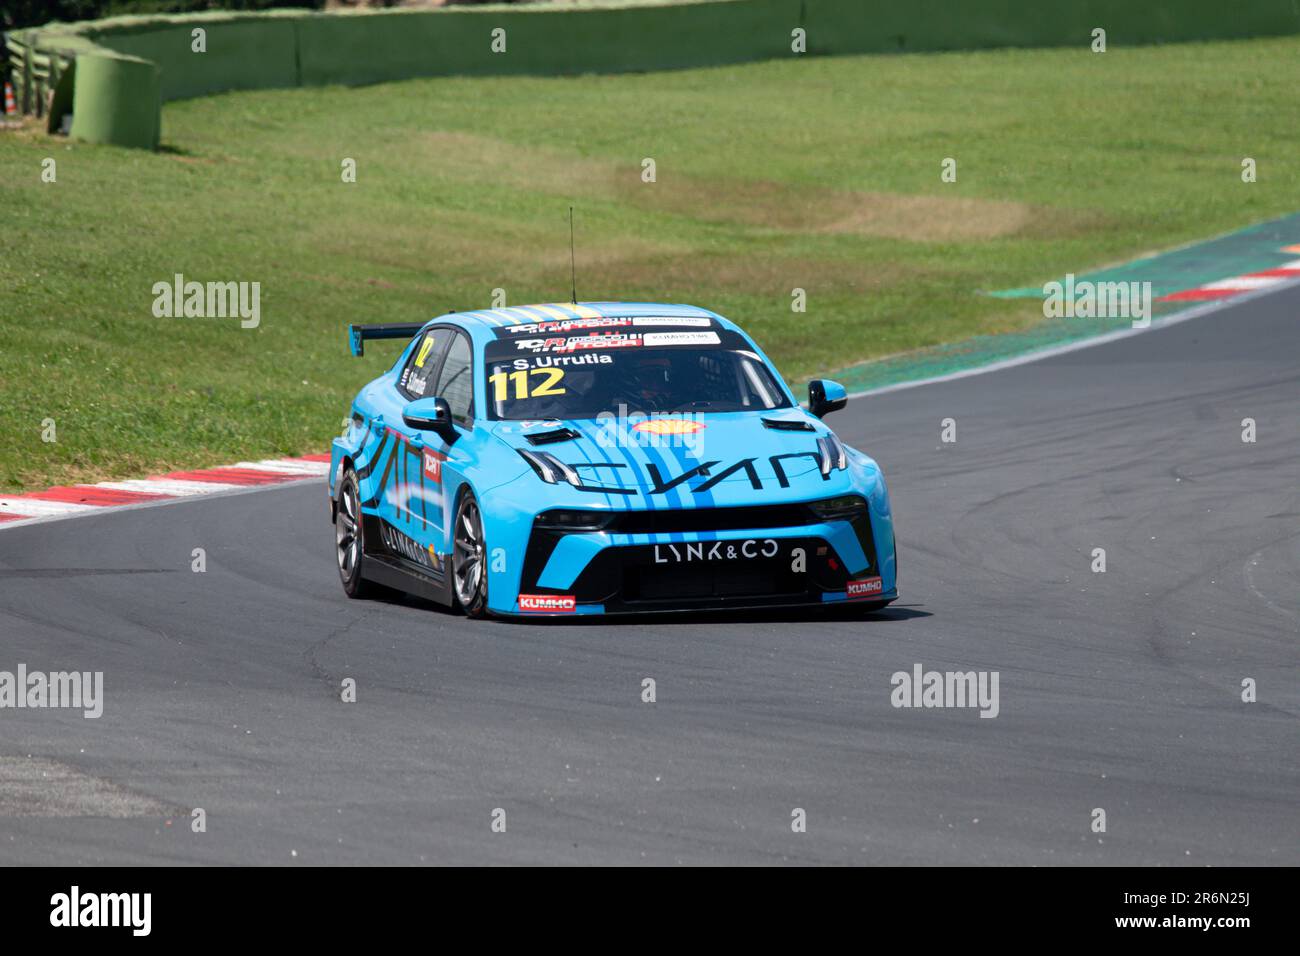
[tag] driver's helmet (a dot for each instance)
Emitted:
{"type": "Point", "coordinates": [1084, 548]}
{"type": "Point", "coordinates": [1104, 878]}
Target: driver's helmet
{"type": "Point", "coordinates": [649, 379]}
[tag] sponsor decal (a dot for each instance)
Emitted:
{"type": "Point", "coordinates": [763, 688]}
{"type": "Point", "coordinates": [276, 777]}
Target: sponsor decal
{"type": "Point", "coordinates": [669, 426]}
{"type": "Point", "coordinates": [433, 465]}
{"type": "Point", "coordinates": [681, 338]}
{"type": "Point", "coordinates": [565, 325]}
{"type": "Point", "coordinates": [864, 588]}
{"type": "Point", "coordinates": [718, 551]}
{"type": "Point", "coordinates": [698, 323]}
{"type": "Point", "coordinates": [553, 603]}
{"type": "Point", "coordinates": [616, 340]}
{"type": "Point", "coordinates": [410, 549]}
{"type": "Point", "coordinates": [578, 325]}
{"type": "Point", "coordinates": [604, 340]}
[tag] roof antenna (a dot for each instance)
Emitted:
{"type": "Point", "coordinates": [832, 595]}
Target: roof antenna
{"type": "Point", "coordinates": [573, 269]}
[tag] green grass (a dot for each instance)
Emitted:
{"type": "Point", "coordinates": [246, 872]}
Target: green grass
{"type": "Point", "coordinates": [818, 173]}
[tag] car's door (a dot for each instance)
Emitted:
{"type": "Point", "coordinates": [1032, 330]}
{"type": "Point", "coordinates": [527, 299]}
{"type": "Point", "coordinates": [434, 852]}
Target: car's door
{"type": "Point", "coordinates": [446, 462]}
{"type": "Point", "coordinates": [413, 507]}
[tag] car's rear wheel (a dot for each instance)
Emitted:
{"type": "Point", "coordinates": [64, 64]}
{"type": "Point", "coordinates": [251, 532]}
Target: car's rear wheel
{"type": "Point", "coordinates": [349, 543]}
{"type": "Point", "coordinates": [469, 557]}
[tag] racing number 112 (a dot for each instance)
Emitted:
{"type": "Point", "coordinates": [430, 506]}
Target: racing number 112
{"type": "Point", "coordinates": [520, 382]}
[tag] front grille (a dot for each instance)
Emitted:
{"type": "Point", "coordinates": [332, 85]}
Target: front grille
{"type": "Point", "coordinates": [685, 574]}
{"type": "Point", "coordinates": [712, 519]}
{"type": "Point", "coordinates": [688, 582]}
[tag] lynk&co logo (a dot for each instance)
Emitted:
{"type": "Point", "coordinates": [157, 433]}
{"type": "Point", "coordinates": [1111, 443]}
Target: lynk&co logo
{"type": "Point", "coordinates": [720, 551]}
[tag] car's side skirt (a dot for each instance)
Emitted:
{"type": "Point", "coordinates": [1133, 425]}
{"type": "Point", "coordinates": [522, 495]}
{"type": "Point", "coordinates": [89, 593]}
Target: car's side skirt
{"type": "Point", "coordinates": [394, 571]}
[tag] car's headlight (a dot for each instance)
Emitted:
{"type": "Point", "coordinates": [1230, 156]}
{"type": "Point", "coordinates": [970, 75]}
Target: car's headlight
{"type": "Point", "coordinates": [549, 468]}
{"type": "Point", "coordinates": [842, 508]}
{"type": "Point", "coordinates": [831, 454]}
{"type": "Point", "coordinates": [569, 519]}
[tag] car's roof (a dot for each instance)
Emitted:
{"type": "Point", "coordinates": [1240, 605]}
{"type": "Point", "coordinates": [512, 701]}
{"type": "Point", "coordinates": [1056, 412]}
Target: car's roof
{"type": "Point", "coordinates": [487, 319]}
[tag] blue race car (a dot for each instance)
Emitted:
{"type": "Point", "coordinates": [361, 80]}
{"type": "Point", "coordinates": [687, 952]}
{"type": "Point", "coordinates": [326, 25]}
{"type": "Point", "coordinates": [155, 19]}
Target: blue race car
{"type": "Point", "coordinates": [598, 458]}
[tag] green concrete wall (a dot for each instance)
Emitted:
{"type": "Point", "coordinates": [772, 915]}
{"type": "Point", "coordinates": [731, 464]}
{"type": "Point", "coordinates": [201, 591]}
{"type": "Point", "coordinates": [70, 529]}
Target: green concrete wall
{"type": "Point", "coordinates": [879, 26]}
{"type": "Point", "coordinates": [116, 99]}
{"type": "Point", "coordinates": [285, 48]}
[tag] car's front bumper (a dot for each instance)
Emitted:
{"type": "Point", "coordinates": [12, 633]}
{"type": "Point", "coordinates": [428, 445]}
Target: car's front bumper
{"type": "Point", "coordinates": [783, 547]}
{"type": "Point", "coordinates": [812, 562]}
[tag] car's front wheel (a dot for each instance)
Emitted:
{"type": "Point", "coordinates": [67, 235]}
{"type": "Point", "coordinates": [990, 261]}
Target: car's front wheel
{"type": "Point", "coordinates": [468, 558]}
{"type": "Point", "coordinates": [349, 544]}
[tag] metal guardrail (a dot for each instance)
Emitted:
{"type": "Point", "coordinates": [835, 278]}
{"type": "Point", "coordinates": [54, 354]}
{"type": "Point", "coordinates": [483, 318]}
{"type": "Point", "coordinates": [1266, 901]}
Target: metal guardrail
{"type": "Point", "coordinates": [34, 73]}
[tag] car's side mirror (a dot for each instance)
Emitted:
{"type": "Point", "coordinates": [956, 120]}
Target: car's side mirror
{"type": "Point", "coordinates": [431, 414]}
{"type": "Point", "coordinates": [825, 396]}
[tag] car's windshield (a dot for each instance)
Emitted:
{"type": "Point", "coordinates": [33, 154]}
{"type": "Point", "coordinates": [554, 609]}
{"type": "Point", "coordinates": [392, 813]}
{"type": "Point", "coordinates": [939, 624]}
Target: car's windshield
{"type": "Point", "coordinates": [650, 365]}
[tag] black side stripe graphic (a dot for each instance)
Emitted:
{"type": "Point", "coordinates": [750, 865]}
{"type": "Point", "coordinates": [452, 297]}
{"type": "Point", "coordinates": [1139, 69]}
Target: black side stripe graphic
{"type": "Point", "coordinates": [369, 467]}
{"type": "Point", "coordinates": [779, 469]}
{"type": "Point", "coordinates": [383, 481]}
{"type": "Point", "coordinates": [660, 487]}
{"type": "Point", "coordinates": [747, 463]}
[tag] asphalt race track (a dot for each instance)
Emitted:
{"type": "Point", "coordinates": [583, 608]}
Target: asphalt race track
{"type": "Point", "coordinates": [1119, 690]}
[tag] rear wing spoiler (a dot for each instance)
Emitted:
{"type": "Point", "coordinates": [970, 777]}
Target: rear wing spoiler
{"type": "Point", "coordinates": [358, 334]}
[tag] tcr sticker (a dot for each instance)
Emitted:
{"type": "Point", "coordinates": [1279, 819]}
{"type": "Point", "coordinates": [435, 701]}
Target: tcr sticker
{"type": "Point", "coordinates": [433, 465]}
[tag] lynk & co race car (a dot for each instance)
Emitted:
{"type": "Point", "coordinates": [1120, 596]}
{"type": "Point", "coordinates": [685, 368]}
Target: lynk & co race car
{"type": "Point", "coordinates": [600, 458]}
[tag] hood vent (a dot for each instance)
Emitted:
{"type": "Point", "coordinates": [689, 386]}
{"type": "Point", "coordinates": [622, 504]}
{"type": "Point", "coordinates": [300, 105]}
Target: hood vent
{"type": "Point", "coordinates": [548, 437]}
{"type": "Point", "coordinates": [788, 425]}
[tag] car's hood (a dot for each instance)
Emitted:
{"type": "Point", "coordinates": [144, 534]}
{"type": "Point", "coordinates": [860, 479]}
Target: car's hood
{"type": "Point", "coordinates": [678, 460]}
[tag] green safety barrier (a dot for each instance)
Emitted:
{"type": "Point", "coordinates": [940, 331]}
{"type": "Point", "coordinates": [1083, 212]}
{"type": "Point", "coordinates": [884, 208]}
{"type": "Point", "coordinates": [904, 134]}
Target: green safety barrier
{"type": "Point", "coordinates": [361, 48]}
{"type": "Point", "coordinates": [285, 48]}
{"type": "Point", "coordinates": [116, 99]}
{"type": "Point", "coordinates": [240, 52]}
{"type": "Point", "coordinates": [878, 26]}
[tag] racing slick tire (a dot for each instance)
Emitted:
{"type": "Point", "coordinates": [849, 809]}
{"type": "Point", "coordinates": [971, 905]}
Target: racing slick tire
{"type": "Point", "coordinates": [349, 544]}
{"type": "Point", "coordinates": [468, 558]}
